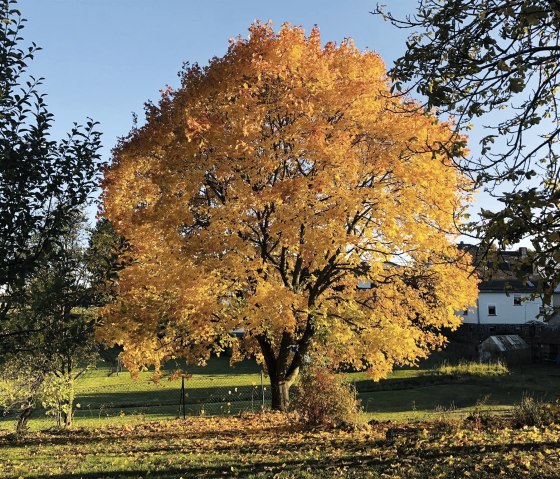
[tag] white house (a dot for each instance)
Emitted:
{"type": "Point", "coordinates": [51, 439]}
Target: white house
{"type": "Point", "coordinates": [504, 302]}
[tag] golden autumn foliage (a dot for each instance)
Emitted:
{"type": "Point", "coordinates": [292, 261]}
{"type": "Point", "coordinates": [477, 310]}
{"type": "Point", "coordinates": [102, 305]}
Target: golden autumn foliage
{"type": "Point", "coordinates": [257, 196]}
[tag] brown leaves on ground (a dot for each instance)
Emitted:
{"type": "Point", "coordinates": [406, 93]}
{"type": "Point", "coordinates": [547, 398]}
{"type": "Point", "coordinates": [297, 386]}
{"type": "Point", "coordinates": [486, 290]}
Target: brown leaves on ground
{"type": "Point", "coordinates": [273, 445]}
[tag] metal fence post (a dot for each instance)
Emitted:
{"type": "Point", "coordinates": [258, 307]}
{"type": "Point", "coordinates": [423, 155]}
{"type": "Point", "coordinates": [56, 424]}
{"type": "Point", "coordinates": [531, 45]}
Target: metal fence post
{"type": "Point", "coordinates": [262, 388]}
{"type": "Point", "coordinates": [183, 396]}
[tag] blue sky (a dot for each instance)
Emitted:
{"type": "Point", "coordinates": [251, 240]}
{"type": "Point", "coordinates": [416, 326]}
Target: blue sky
{"type": "Point", "coordinates": [104, 58]}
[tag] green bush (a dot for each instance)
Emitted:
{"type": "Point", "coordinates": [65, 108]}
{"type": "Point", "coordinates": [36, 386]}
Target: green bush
{"type": "Point", "coordinates": [474, 368]}
{"type": "Point", "coordinates": [324, 399]}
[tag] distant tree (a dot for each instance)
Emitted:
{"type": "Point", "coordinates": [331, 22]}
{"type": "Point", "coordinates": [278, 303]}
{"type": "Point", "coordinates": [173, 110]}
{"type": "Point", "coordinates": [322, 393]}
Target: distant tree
{"type": "Point", "coordinates": [257, 197]}
{"type": "Point", "coordinates": [105, 258]}
{"type": "Point", "coordinates": [42, 182]}
{"type": "Point", "coordinates": [472, 58]}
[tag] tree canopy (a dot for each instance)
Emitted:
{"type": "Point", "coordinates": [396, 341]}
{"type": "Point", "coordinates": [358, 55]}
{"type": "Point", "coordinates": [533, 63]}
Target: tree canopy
{"type": "Point", "coordinates": [264, 191]}
{"type": "Point", "coordinates": [495, 63]}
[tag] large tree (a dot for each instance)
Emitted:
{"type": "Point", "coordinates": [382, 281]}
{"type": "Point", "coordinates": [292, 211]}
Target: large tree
{"type": "Point", "coordinates": [42, 181]}
{"type": "Point", "coordinates": [262, 192]}
{"type": "Point", "coordinates": [494, 64]}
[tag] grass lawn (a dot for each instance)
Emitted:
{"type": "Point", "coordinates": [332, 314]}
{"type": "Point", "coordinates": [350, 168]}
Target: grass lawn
{"type": "Point", "coordinates": [421, 430]}
{"type": "Point", "coordinates": [105, 398]}
{"type": "Point", "coordinates": [408, 394]}
{"type": "Point", "coordinates": [270, 445]}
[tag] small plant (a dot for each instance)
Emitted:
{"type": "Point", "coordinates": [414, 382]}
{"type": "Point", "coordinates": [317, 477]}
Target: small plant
{"type": "Point", "coordinates": [325, 399]}
{"type": "Point", "coordinates": [445, 417]}
{"type": "Point", "coordinates": [473, 368]}
{"type": "Point", "coordinates": [480, 414]}
{"type": "Point", "coordinates": [531, 411]}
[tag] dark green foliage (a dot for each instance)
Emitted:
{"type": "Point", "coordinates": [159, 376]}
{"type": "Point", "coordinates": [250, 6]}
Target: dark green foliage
{"type": "Point", "coordinates": [471, 58]}
{"type": "Point", "coordinates": [42, 181]}
{"type": "Point", "coordinates": [104, 259]}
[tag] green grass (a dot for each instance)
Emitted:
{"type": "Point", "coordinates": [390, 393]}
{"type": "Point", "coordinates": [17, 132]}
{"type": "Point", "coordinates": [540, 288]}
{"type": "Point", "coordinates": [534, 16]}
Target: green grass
{"type": "Point", "coordinates": [105, 398]}
{"type": "Point", "coordinates": [423, 396]}
{"type": "Point", "coordinates": [431, 410]}
{"type": "Point", "coordinates": [407, 394]}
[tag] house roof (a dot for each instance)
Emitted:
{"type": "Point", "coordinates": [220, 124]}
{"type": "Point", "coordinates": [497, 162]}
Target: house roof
{"type": "Point", "coordinates": [500, 264]}
{"type": "Point", "coordinates": [506, 286]}
{"type": "Point", "coordinates": [506, 342]}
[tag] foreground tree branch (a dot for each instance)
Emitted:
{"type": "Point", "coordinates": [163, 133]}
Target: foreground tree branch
{"type": "Point", "coordinates": [495, 63]}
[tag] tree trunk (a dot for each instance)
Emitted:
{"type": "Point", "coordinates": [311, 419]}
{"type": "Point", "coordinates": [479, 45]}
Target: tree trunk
{"type": "Point", "coordinates": [280, 395]}
{"type": "Point", "coordinates": [283, 368]}
{"type": "Point", "coordinates": [68, 411]}
{"type": "Point", "coordinates": [23, 419]}
{"type": "Point", "coordinates": [282, 376]}
{"type": "Point", "coordinates": [278, 371]}
{"type": "Point", "coordinates": [68, 414]}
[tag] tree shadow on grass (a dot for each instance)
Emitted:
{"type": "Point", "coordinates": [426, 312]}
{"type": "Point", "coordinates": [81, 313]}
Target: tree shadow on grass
{"type": "Point", "coordinates": [355, 465]}
{"type": "Point", "coordinates": [78, 437]}
{"type": "Point", "coordinates": [195, 394]}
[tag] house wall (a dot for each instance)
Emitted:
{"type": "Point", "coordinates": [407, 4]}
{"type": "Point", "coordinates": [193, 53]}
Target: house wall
{"type": "Point", "coordinates": [506, 311]}
{"type": "Point", "coordinates": [555, 319]}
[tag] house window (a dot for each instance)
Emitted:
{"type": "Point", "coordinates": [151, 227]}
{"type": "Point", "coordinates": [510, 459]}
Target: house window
{"type": "Point", "coordinates": [491, 310]}
{"type": "Point", "coordinates": [517, 300]}
{"type": "Point", "coordinates": [465, 312]}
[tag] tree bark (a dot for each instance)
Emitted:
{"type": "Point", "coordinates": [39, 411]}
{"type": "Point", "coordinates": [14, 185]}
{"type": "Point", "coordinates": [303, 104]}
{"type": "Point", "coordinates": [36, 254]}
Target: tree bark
{"type": "Point", "coordinates": [68, 411]}
{"type": "Point", "coordinates": [282, 371]}
{"type": "Point", "coordinates": [280, 395]}
{"type": "Point", "coordinates": [23, 419]}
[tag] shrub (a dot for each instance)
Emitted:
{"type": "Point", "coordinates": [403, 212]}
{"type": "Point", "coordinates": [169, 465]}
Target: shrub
{"type": "Point", "coordinates": [324, 399]}
{"type": "Point", "coordinates": [535, 412]}
{"type": "Point", "coordinates": [445, 418]}
{"type": "Point", "coordinates": [481, 414]}
{"type": "Point", "coordinates": [474, 368]}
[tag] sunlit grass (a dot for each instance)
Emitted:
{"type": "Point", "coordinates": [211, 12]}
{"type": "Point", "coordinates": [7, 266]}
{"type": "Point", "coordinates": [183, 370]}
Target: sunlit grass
{"type": "Point", "coordinates": [472, 368]}
{"type": "Point", "coordinates": [407, 394]}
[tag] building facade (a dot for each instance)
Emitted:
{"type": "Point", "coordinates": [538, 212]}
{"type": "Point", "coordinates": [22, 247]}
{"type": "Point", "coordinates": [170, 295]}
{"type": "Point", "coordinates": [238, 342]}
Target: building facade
{"type": "Point", "coordinates": [504, 299]}
{"type": "Point", "coordinates": [503, 302]}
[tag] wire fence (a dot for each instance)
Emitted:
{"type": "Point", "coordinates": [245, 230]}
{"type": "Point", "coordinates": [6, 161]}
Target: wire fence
{"type": "Point", "coordinates": [108, 391]}
{"type": "Point", "coordinates": [214, 389]}
{"type": "Point", "coordinates": [223, 395]}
